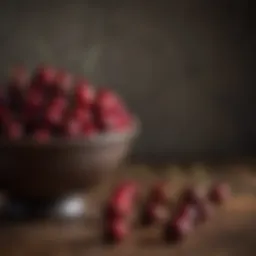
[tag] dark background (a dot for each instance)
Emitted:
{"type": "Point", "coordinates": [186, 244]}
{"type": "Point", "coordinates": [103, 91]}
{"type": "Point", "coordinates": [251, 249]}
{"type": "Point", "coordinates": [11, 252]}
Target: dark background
{"type": "Point", "coordinates": [185, 67]}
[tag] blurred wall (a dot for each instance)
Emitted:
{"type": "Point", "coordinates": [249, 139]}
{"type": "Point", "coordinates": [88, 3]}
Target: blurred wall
{"type": "Point", "coordinates": [184, 66]}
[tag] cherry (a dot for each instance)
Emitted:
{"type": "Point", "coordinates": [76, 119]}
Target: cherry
{"type": "Point", "coordinates": [33, 107]}
{"type": "Point", "coordinates": [177, 231]}
{"type": "Point", "coordinates": [35, 98]}
{"type": "Point", "coordinates": [106, 99]}
{"type": "Point", "coordinates": [180, 225]}
{"type": "Point", "coordinates": [73, 127]}
{"type": "Point", "coordinates": [219, 193]}
{"type": "Point", "coordinates": [84, 93]}
{"type": "Point", "coordinates": [54, 116]}
{"type": "Point", "coordinates": [190, 195]}
{"type": "Point", "coordinates": [89, 129]}
{"type": "Point", "coordinates": [115, 231]}
{"type": "Point", "coordinates": [59, 102]}
{"type": "Point", "coordinates": [123, 199]}
{"type": "Point", "coordinates": [204, 212]}
{"type": "Point", "coordinates": [153, 213]}
{"type": "Point", "coordinates": [156, 207]}
{"type": "Point", "coordinates": [84, 115]}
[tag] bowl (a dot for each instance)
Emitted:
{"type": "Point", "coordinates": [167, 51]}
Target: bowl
{"type": "Point", "coordinates": [63, 166]}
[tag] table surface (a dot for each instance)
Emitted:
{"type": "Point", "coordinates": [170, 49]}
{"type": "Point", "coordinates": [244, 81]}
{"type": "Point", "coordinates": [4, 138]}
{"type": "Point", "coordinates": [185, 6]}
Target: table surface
{"type": "Point", "coordinates": [231, 232]}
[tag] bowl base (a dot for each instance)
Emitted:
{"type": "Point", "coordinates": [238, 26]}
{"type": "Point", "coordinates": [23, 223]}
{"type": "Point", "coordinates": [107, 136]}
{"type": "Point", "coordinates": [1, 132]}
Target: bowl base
{"type": "Point", "coordinates": [68, 207]}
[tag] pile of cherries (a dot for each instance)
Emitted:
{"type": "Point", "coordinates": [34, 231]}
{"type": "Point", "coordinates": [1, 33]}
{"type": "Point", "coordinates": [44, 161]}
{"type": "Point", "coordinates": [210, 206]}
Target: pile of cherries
{"type": "Point", "coordinates": [52, 103]}
{"type": "Point", "coordinates": [177, 220]}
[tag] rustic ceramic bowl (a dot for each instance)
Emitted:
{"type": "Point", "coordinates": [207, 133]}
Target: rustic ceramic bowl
{"type": "Point", "coordinates": [62, 167]}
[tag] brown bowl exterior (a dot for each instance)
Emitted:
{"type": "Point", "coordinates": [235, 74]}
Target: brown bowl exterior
{"type": "Point", "coordinates": [51, 170]}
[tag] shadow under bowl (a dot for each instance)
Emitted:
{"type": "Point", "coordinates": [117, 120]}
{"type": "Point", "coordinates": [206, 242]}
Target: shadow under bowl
{"type": "Point", "coordinates": [32, 170]}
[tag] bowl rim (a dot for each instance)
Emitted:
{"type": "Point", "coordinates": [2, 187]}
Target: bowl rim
{"type": "Point", "coordinates": [97, 140]}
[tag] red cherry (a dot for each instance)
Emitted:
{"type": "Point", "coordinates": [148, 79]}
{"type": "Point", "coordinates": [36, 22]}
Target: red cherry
{"type": "Point", "coordinates": [116, 230]}
{"type": "Point", "coordinates": [119, 229]}
{"type": "Point", "coordinates": [33, 104]}
{"type": "Point", "coordinates": [121, 111]}
{"type": "Point", "coordinates": [55, 111]}
{"type": "Point", "coordinates": [110, 113]}
{"type": "Point", "coordinates": [204, 212]}
{"type": "Point", "coordinates": [154, 213]}
{"type": "Point", "coordinates": [190, 195]}
{"type": "Point", "coordinates": [109, 120]}
{"type": "Point", "coordinates": [185, 211]}
{"type": "Point", "coordinates": [84, 93]}
{"type": "Point", "coordinates": [89, 129]}
{"type": "Point", "coordinates": [107, 99]}
{"type": "Point", "coordinates": [30, 114]}
{"type": "Point", "coordinates": [122, 124]}
{"type": "Point", "coordinates": [54, 116]}
{"type": "Point", "coordinates": [129, 187]}
{"type": "Point", "coordinates": [181, 224]}
{"type": "Point", "coordinates": [177, 231]}
{"type": "Point", "coordinates": [155, 209]}
{"type": "Point", "coordinates": [35, 97]}
{"type": "Point", "coordinates": [42, 135]}
{"type": "Point", "coordinates": [219, 193]}
{"type": "Point", "coordinates": [59, 102]}
{"type": "Point", "coordinates": [132, 189]}
{"type": "Point", "coordinates": [122, 200]}
{"type": "Point", "coordinates": [185, 223]}
{"type": "Point", "coordinates": [122, 204]}
{"type": "Point", "coordinates": [84, 115]}
{"type": "Point", "coordinates": [73, 127]}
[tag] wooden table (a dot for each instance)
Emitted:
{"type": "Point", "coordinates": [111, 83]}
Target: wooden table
{"type": "Point", "coordinates": [231, 232]}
